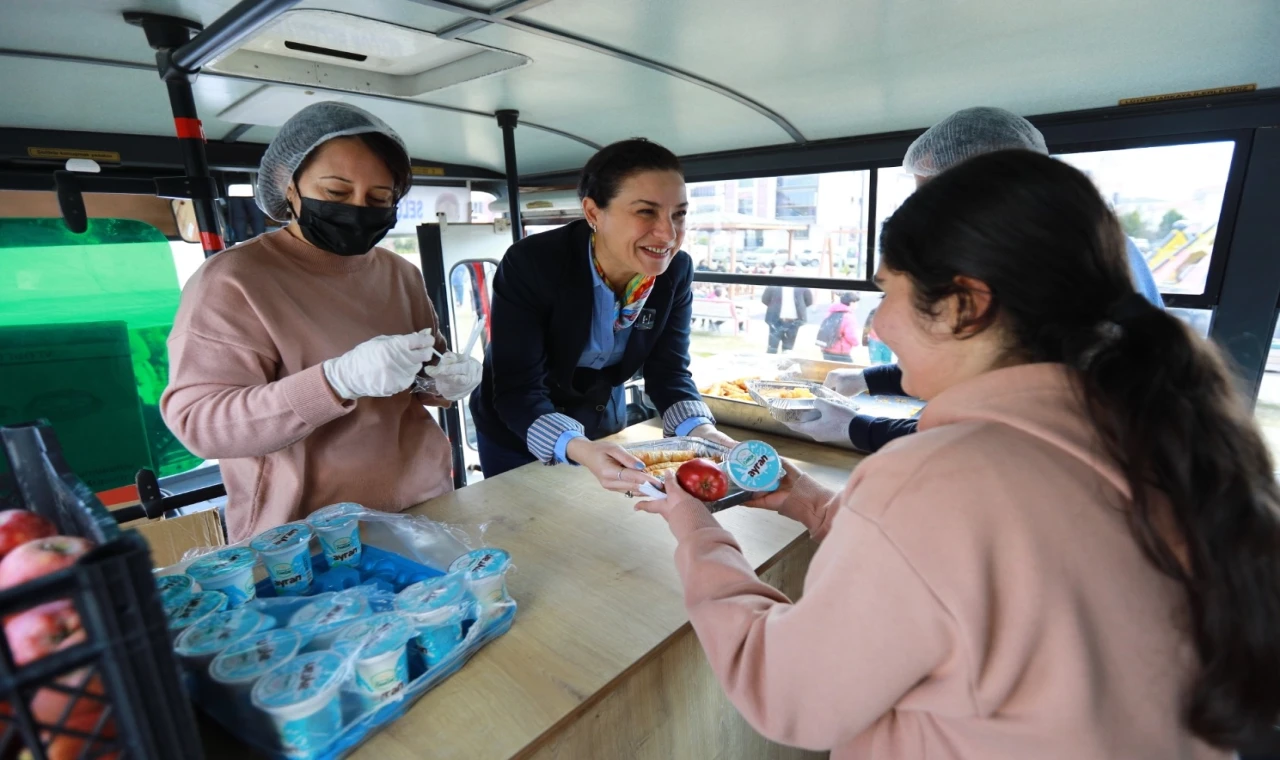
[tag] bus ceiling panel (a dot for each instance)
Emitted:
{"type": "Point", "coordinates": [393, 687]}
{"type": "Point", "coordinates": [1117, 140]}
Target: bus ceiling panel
{"type": "Point", "coordinates": [472, 139]}
{"type": "Point", "coordinates": [837, 68]}
{"type": "Point", "coordinates": [74, 96]}
{"type": "Point", "coordinates": [82, 97]}
{"type": "Point", "coordinates": [95, 28]}
{"type": "Point", "coordinates": [506, 8]}
{"type": "Point", "coordinates": [400, 12]}
{"type": "Point", "coordinates": [247, 134]}
{"type": "Point", "coordinates": [42, 25]}
{"type": "Point", "coordinates": [57, 95]}
{"type": "Point", "coordinates": [606, 99]}
{"type": "Point", "coordinates": [538, 151]}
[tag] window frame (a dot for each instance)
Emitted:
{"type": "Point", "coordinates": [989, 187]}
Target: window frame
{"type": "Point", "coordinates": [1227, 213]}
{"type": "Point", "coordinates": [1209, 299]}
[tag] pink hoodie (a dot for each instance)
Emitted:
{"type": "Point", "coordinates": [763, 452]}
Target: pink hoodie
{"type": "Point", "coordinates": [848, 339]}
{"type": "Point", "coordinates": [977, 594]}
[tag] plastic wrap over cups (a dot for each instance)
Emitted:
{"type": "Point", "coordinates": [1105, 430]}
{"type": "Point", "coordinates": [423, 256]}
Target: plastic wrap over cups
{"type": "Point", "coordinates": [307, 130]}
{"type": "Point", "coordinates": [969, 133]}
{"type": "Point", "coordinates": [308, 670]}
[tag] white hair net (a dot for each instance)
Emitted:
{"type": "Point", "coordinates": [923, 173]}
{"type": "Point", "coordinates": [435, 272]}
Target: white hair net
{"type": "Point", "coordinates": [307, 130]}
{"type": "Point", "coordinates": [968, 133]}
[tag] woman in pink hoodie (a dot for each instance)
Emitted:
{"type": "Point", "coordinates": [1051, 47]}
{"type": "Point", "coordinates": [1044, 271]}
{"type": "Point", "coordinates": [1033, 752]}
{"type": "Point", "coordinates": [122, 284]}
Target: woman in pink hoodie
{"type": "Point", "coordinates": [838, 333]}
{"type": "Point", "coordinates": [1078, 555]}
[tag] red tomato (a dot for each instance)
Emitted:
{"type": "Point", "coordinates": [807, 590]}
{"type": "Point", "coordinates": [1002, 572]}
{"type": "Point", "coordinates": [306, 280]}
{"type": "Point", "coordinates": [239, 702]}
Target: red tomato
{"type": "Point", "coordinates": [704, 479]}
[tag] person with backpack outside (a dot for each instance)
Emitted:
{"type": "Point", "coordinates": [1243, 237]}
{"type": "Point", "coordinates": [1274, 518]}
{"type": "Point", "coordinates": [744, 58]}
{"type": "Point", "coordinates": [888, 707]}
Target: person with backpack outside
{"type": "Point", "coordinates": [838, 333]}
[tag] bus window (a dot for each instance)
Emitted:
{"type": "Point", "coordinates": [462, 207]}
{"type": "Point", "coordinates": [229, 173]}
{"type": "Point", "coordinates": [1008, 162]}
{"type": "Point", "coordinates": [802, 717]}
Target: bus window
{"type": "Point", "coordinates": [480, 213]}
{"type": "Point", "coordinates": [754, 226]}
{"type": "Point", "coordinates": [893, 186]}
{"type": "Point", "coordinates": [406, 245]}
{"type": "Point", "coordinates": [1168, 199]}
{"type": "Point", "coordinates": [806, 225]}
{"type": "Point", "coordinates": [745, 336]}
{"type": "Point", "coordinates": [187, 258]}
{"type": "Point", "coordinates": [99, 306]}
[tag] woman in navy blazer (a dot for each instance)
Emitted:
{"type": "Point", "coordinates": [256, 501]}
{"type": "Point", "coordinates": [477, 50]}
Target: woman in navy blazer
{"type": "Point", "coordinates": [577, 311]}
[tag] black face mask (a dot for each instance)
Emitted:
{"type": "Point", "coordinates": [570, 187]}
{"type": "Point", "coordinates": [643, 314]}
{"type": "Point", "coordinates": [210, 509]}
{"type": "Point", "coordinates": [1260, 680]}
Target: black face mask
{"type": "Point", "coordinates": [342, 228]}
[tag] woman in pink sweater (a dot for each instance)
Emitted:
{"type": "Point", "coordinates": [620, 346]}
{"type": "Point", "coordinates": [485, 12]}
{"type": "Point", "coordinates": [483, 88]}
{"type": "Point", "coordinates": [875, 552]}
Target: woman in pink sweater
{"type": "Point", "coordinates": [1078, 556]}
{"type": "Point", "coordinates": [292, 355]}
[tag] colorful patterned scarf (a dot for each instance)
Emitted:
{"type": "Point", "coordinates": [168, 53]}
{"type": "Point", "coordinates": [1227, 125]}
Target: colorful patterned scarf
{"type": "Point", "coordinates": [627, 309]}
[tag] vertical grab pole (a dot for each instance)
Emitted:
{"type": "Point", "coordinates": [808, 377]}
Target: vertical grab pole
{"type": "Point", "coordinates": [194, 160]}
{"type": "Point", "coordinates": [167, 35]}
{"type": "Point", "coordinates": [508, 120]}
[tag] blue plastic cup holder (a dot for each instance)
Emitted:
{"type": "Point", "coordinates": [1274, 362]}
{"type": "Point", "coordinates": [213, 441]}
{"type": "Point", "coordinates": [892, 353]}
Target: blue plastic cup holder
{"type": "Point", "coordinates": [380, 568]}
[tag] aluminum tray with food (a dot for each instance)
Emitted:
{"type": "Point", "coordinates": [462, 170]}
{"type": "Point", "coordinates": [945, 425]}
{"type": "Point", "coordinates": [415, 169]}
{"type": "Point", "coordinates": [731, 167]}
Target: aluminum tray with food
{"type": "Point", "coordinates": [663, 457]}
{"type": "Point", "coordinates": [791, 400]}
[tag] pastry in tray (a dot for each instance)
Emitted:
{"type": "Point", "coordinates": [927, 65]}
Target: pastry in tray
{"type": "Point", "coordinates": [661, 463]}
{"type": "Point", "coordinates": [737, 390]}
{"type": "Point", "coordinates": [787, 393]}
{"type": "Point", "coordinates": [730, 389]}
{"type": "Point", "coordinates": [661, 471]}
{"type": "Point", "coordinates": [665, 456]}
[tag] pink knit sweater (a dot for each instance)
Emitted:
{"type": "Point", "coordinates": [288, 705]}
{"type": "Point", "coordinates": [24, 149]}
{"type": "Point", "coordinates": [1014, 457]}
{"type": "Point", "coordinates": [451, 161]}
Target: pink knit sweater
{"type": "Point", "coordinates": [246, 386]}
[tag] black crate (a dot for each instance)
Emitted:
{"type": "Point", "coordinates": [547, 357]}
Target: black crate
{"type": "Point", "coordinates": [126, 664]}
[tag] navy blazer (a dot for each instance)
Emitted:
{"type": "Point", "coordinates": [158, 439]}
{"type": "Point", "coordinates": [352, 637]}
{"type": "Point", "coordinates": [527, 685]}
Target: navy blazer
{"type": "Point", "coordinates": [541, 322]}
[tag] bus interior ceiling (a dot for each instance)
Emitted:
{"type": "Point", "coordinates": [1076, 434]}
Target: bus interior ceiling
{"type": "Point", "coordinates": [583, 73]}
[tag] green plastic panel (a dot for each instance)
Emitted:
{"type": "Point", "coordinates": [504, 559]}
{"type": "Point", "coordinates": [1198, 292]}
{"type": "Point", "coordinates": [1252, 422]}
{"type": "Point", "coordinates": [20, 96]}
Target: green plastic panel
{"type": "Point", "coordinates": [119, 270]}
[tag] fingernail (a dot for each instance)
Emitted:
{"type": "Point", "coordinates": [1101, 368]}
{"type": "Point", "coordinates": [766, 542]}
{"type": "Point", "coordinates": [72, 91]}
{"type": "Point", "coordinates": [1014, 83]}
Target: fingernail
{"type": "Point", "coordinates": [638, 465]}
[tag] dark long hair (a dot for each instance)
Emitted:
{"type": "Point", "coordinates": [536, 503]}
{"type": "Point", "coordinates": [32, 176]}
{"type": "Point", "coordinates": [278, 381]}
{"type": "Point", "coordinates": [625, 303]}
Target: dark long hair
{"type": "Point", "coordinates": [1039, 235]}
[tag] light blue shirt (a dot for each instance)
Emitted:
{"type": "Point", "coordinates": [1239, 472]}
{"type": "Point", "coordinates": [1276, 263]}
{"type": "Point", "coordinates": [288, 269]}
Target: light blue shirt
{"type": "Point", "coordinates": [1142, 279]}
{"type": "Point", "coordinates": [605, 348]}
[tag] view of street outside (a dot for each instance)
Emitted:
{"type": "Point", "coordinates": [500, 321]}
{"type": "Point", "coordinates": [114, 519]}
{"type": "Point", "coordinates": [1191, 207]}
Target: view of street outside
{"type": "Point", "coordinates": [1168, 199]}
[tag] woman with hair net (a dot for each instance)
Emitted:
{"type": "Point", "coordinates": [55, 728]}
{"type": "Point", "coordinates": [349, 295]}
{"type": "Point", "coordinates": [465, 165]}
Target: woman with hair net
{"type": "Point", "coordinates": [293, 354]}
{"type": "Point", "coordinates": [961, 136]}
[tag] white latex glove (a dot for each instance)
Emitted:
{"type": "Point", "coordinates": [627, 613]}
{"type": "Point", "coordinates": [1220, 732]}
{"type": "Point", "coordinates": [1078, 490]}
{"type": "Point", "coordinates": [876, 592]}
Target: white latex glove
{"type": "Point", "coordinates": [831, 427]}
{"type": "Point", "coordinates": [456, 375]}
{"type": "Point", "coordinates": [846, 382]}
{"type": "Point", "coordinates": [381, 366]}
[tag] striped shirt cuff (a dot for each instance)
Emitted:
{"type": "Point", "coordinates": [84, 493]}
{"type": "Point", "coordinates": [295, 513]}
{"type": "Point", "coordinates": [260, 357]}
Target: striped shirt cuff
{"type": "Point", "coordinates": [545, 433]}
{"type": "Point", "coordinates": [693, 423]}
{"type": "Point", "coordinates": [562, 446]}
{"type": "Point", "coordinates": [681, 411]}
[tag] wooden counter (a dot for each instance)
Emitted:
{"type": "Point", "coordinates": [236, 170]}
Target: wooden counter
{"type": "Point", "coordinates": [601, 662]}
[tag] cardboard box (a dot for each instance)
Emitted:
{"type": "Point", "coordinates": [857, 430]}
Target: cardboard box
{"type": "Point", "coordinates": [170, 539]}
